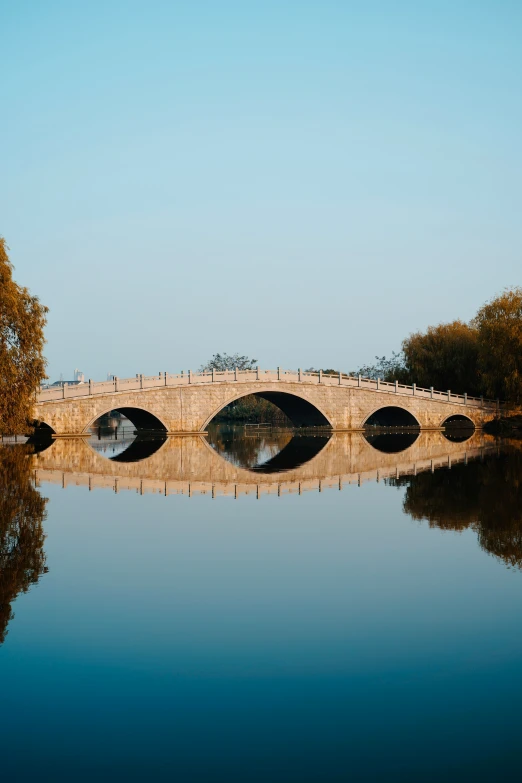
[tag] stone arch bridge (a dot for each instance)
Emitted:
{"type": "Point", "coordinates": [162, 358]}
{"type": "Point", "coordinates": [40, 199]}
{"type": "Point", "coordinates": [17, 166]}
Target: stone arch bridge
{"type": "Point", "coordinates": [187, 403]}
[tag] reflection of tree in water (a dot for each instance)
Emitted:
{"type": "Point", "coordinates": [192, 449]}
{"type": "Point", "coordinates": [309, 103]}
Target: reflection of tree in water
{"type": "Point", "coordinates": [246, 449]}
{"type": "Point", "coordinates": [22, 512]}
{"type": "Point", "coordinates": [484, 495]}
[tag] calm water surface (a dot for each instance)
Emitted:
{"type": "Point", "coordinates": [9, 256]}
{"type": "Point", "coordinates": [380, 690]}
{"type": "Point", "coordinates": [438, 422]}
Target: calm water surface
{"type": "Point", "coordinates": [197, 610]}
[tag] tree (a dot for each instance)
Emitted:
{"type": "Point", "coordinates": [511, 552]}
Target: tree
{"type": "Point", "coordinates": [445, 356]}
{"type": "Point", "coordinates": [393, 369]}
{"type": "Point", "coordinates": [324, 370]}
{"type": "Point", "coordinates": [499, 329]}
{"type": "Point", "coordinates": [22, 512]}
{"type": "Point", "coordinates": [225, 361]}
{"type": "Point", "coordinates": [22, 365]}
{"type": "Point", "coordinates": [385, 369]}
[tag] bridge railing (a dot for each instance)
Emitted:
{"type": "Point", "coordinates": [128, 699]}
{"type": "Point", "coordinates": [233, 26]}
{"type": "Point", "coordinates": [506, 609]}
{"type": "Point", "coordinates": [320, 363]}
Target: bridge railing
{"type": "Point", "coordinates": [162, 379]}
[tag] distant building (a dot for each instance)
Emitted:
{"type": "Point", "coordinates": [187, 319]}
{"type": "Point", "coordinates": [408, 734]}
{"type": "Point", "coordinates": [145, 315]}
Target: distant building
{"type": "Point", "coordinates": [79, 377]}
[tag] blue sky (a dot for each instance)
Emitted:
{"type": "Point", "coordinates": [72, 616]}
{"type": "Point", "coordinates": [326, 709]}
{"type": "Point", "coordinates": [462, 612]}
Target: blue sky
{"type": "Point", "coordinates": [306, 183]}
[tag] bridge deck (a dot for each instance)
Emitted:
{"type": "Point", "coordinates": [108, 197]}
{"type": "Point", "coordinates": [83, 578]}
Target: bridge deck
{"type": "Point", "coordinates": [161, 380]}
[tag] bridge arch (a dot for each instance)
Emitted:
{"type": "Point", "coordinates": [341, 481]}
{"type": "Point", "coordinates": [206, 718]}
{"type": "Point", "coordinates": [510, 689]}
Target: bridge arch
{"type": "Point", "coordinates": [42, 430]}
{"type": "Point", "coordinates": [140, 417]}
{"type": "Point", "coordinates": [391, 416]}
{"type": "Point", "coordinates": [300, 411]}
{"type": "Point", "coordinates": [458, 420]}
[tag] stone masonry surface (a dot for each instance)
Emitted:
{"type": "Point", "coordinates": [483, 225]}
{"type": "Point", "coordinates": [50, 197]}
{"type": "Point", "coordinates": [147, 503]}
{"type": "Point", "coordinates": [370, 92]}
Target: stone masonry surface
{"type": "Point", "coordinates": [190, 408]}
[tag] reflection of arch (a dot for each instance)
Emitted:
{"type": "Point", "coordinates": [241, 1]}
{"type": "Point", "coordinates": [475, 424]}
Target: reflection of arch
{"type": "Point", "coordinates": [141, 448]}
{"type": "Point", "coordinates": [300, 412]}
{"type": "Point", "coordinates": [291, 457]}
{"type": "Point", "coordinates": [301, 449]}
{"type": "Point", "coordinates": [141, 418]}
{"type": "Point", "coordinates": [391, 416]}
{"type": "Point", "coordinates": [393, 442]}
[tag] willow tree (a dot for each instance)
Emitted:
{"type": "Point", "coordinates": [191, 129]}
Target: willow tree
{"type": "Point", "coordinates": [22, 365]}
{"type": "Point", "coordinates": [499, 327]}
{"type": "Point", "coordinates": [445, 356]}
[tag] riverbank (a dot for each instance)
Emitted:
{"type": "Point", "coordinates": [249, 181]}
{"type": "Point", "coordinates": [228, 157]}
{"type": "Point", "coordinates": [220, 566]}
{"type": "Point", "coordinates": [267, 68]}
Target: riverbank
{"type": "Point", "coordinates": [505, 426]}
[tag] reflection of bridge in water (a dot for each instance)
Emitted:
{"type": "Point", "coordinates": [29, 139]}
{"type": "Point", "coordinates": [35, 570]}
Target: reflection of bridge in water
{"type": "Point", "coordinates": [189, 465]}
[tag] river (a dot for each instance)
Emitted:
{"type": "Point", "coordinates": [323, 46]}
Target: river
{"type": "Point", "coordinates": [261, 605]}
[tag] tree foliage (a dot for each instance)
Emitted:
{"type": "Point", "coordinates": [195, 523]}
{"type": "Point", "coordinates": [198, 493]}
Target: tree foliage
{"type": "Point", "coordinates": [22, 366]}
{"type": "Point", "coordinates": [392, 369]}
{"type": "Point", "coordinates": [499, 328]}
{"type": "Point", "coordinates": [22, 512]}
{"type": "Point", "coordinates": [225, 361]}
{"type": "Point", "coordinates": [483, 357]}
{"type": "Point", "coordinates": [445, 357]}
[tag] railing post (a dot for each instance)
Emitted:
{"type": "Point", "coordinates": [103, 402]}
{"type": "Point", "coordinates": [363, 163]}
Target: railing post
{"type": "Point", "coordinates": [320, 376]}
{"type": "Point", "coordinates": [431, 392]}
{"type": "Point", "coordinates": [359, 379]}
{"type": "Point", "coordinates": [257, 372]}
{"type": "Point", "coordinates": [377, 383]}
{"type": "Point", "coordinates": [235, 373]}
{"type": "Point", "coordinates": [115, 383]}
{"type": "Point", "coordinates": [141, 380]}
{"type": "Point", "coordinates": [213, 376]}
{"type": "Point", "coordinates": [449, 395]}
{"type": "Point", "coordinates": [413, 387]}
{"type": "Point", "coordinates": [396, 387]}
{"type": "Point", "coordinates": [90, 386]}
{"type": "Point", "coordinates": [340, 378]}
{"type": "Point", "coordinates": [63, 391]}
{"type": "Point", "coordinates": [299, 374]}
{"type": "Point", "coordinates": [190, 376]}
{"type": "Point", "coordinates": [165, 377]}
{"type": "Point", "coordinates": [465, 398]}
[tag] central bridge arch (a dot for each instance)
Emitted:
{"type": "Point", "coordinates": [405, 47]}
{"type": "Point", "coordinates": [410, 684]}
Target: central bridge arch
{"type": "Point", "coordinates": [299, 410]}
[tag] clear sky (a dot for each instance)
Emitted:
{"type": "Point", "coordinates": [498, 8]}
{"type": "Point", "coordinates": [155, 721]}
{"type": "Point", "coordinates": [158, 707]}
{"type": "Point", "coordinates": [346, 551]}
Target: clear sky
{"type": "Point", "coordinates": [302, 182]}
